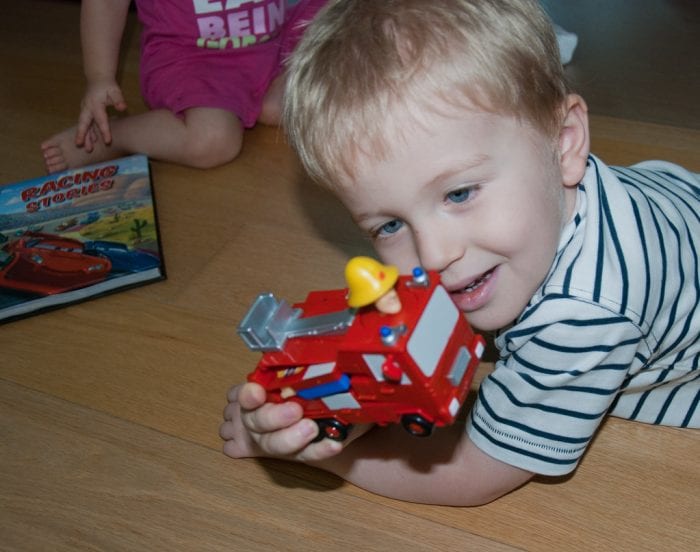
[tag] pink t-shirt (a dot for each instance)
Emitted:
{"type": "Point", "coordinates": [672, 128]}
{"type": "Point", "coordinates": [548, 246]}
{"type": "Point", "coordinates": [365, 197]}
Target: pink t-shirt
{"type": "Point", "coordinates": [217, 53]}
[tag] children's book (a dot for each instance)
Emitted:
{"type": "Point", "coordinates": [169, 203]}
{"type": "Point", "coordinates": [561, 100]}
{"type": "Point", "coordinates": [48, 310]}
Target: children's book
{"type": "Point", "coordinates": [77, 234]}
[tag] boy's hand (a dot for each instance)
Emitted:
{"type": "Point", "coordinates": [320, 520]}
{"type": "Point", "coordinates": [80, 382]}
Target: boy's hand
{"type": "Point", "coordinates": [93, 117]}
{"type": "Point", "coordinates": [253, 427]}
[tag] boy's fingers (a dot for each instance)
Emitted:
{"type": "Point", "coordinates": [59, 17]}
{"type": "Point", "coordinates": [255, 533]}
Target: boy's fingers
{"type": "Point", "coordinates": [288, 441]}
{"type": "Point", "coordinates": [271, 417]}
{"type": "Point", "coordinates": [231, 430]}
{"type": "Point", "coordinates": [320, 451]}
{"type": "Point", "coordinates": [231, 411]}
{"type": "Point", "coordinates": [253, 398]}
{"type": "Point", "coordinates": [292, 443]}
{"type": "Point", "coordinates": [327, 448]}
{"type": "Point", "coordinates": [250, 395]}
{"type": "Point", "coordinates": [278, 430]}
{"type": "Point", "coordinates": [238, 449]}
{"type": "Point", "coordinates": [232, 394]}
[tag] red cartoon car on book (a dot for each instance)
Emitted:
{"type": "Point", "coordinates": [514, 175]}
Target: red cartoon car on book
{"type": "Point", "coordinates": [358, 365]}
{"type": "Point", "coordinates": [46, 264]}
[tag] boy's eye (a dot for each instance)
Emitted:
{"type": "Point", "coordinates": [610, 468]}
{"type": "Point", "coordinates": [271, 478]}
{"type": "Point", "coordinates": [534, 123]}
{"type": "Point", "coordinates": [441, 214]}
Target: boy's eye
{"type": "Point", "coordinates": [459, 196]}
{"type": "Point", "coordinates": [390, 227]}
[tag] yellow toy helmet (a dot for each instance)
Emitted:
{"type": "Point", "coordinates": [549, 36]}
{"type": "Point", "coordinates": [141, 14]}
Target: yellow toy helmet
{"type": "Point", "coordinates": [368, 280]}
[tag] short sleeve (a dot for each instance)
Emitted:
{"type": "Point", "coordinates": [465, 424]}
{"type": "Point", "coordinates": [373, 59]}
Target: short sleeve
{"type": "Point", "coordinates": [560, 372]}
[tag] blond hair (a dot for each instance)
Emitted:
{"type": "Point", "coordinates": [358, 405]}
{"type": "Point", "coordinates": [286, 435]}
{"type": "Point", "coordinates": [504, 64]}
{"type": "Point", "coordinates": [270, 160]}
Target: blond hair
{"type": "Point", "coordinates": [359, 58]}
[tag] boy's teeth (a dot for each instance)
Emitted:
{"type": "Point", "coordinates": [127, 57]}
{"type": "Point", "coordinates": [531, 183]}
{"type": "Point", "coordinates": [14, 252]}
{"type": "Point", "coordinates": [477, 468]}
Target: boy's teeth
{"type": "Point", "coordinates": [476, 283]}
{"type": "Point", "coordinates": [473, 285]}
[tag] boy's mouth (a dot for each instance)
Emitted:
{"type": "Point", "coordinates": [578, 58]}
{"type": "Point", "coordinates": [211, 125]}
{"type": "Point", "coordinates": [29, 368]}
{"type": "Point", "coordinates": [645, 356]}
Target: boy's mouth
{"type": "Point", "coordinates": [476, 293]}
{"type": "Point", "coordinates": [476, 284]}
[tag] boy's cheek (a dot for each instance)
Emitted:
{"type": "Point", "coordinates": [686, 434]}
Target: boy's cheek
{"type": "Point", "coordinates": [401, 255]}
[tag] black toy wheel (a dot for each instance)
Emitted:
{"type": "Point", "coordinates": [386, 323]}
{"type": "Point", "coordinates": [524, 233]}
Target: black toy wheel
{"type": "Point", "coordinates": [330, 428]}
{"type": "Point", "coordinates": [417, 425]}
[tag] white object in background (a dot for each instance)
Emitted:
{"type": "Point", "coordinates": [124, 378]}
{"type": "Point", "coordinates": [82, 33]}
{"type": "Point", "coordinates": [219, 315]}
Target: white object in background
{"type": "Point", "coordinates": [567, 43]}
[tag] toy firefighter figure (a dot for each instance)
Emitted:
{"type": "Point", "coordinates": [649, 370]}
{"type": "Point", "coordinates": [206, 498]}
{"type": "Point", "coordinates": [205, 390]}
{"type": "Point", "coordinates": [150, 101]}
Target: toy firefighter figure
{"type": "Point", "coordinates": [369, 281]}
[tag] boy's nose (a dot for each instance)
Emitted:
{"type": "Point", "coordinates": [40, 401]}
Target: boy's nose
{"type": "Point", "coordinates": [438, 248]}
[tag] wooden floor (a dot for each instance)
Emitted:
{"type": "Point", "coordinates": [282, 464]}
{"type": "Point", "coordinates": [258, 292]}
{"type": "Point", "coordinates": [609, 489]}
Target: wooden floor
{"type": "Point", "coordinates": [109, 410]}
{"type": "Point", "coordinates": [635, 60]}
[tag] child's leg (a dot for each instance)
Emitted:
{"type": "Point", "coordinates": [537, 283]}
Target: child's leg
{"type": "Point", "coordinates": [271, 113]}
{"type": "Point", "coordinates": [203, 138]}
{"type": "Point", "coordinates": [303, 13]}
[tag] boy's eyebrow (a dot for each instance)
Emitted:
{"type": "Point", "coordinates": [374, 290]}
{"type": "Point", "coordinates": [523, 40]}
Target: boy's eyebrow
{"type": "Point", "coordinates": [357, 219]}
{"type": "Point", "coordinates": [462, 167]}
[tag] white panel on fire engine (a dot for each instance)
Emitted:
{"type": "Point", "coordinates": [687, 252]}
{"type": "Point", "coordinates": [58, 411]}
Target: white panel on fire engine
{"type": "Point", "coordinates": [375, 362]}
{"type": "Point", "coordinates": [479, 349]}
{"type": "Point", "coordinates": [315, 370]}
{"type": "Point", "coordinates": [340, 401]}
{"type": "Point", "coordinates": [433, 331]}
{"type": "Point", "coordinates": [459, 366]}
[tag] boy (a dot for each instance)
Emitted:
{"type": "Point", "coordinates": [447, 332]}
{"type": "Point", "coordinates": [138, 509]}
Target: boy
{"type": "Point", "coordinates": [448, 131]}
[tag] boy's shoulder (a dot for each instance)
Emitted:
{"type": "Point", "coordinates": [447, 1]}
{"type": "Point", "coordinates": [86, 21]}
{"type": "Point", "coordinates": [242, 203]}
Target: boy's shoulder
{"type": "Point", "coordinates": [663, 175]}
{"type": "Point", "coordinates": [626, 246]}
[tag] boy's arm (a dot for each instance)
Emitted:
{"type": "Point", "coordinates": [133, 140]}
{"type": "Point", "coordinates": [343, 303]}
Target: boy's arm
{"type": "Point", "coordinates": [102, 25]}
{"type": "Point", "coordinates": [446, 468]}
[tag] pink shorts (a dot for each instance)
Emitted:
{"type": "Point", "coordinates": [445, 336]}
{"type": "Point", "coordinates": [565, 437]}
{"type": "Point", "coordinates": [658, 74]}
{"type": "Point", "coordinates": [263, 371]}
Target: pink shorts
{"type": "Point", "coordinates": [176, 74]}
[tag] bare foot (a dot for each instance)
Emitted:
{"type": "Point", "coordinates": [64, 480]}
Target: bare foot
{"type": "Point", "coordinates": [60, 152]}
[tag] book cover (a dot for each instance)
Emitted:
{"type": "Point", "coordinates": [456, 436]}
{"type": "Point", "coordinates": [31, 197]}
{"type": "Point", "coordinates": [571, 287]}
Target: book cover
{"type": "Point", "coordinates": [77, 234]}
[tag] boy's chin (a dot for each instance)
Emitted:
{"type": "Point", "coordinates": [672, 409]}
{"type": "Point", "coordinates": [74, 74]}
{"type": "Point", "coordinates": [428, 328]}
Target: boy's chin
{"type": "Point", "coordinates": [489, 321]}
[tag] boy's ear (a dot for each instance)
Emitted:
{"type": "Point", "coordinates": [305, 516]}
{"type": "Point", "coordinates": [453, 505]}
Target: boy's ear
{"type": "Point", "coordinates": [574, 140]}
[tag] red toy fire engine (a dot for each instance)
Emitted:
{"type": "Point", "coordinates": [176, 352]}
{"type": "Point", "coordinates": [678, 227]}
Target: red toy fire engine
{"type": "Point", "coordinates": [356, 364]}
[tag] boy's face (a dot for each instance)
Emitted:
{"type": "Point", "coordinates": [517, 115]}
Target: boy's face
{"type": "Point", "coordinates": [476, 196]}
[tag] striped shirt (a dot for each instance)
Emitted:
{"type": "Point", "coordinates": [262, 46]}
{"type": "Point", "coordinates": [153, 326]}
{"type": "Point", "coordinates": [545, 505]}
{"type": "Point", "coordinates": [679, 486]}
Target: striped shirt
{"type": "Point", "coordinates": [614, 328]}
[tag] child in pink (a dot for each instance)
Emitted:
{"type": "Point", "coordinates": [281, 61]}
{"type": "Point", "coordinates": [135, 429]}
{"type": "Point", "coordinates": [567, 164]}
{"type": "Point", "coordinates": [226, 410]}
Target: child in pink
{"type": "Point", "coordinates": [209, 70]}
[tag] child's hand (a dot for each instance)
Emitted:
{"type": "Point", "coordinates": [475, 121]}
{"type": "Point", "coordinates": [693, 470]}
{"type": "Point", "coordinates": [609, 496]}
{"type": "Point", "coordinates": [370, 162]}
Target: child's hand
{"type": "Point", "coordinates": [255, 428]}
{"type": "Point", "coordinates": [93, 113]}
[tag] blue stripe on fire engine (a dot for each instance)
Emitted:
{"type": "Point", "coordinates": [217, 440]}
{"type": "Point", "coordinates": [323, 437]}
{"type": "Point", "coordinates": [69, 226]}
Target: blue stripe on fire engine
{"type": "Point", "coordinates": [331, 388]}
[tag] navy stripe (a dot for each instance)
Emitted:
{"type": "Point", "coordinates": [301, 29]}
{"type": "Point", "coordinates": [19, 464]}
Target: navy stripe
{"type": "Point", "coordinates": [573, 388]}
{"type": "Point", "coordinates": [528, 429]}
{"type": "Point", "coordinates": [692, 410]}
{"type": "Point", "coordinates": [557, 371]}
{"type": "Point", "coordinates": [570, 270]}
{"type": "Point", "coordinates": [600, 256]}
{"type": "Point", "coordinates": [674, 305]}
{"type": "Point", "coordinates": [542, 407]}
{"type": "Point", "coordinates": [661, 377]}
{"type": "Point", "coordinates": [647, 262]}
{"type": "Point", "coordinates": [588, 349]}
{"type": "Point", "coordinates": [532, 330]}
{"type": "Point", "coordinates": [612, 231]}
{"type": "Point", "coordinates": [666, 405]}
{"type": "Point", "coordinates": [522, 451]}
